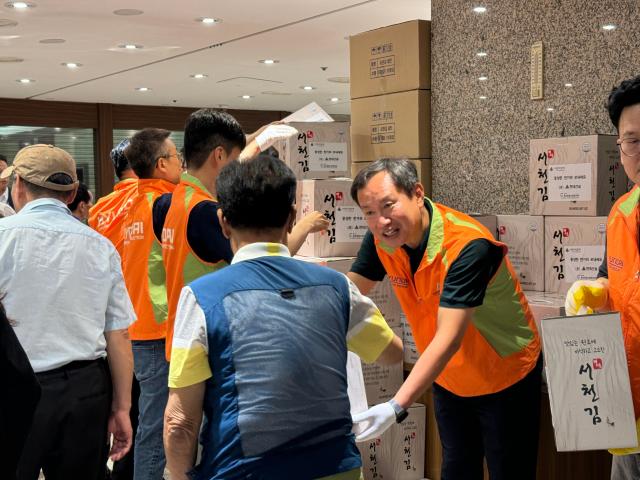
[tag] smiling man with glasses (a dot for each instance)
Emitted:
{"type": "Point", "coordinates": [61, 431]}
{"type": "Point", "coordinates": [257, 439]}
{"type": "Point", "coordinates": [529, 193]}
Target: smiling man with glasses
{"type": "Point", "coordinates": [618, 284]}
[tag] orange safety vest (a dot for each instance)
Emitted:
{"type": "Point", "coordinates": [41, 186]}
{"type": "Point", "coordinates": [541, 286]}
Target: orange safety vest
{"type": "Point", "coordinates": [501, 344]}
{"type": "Point", "coordinates": [180, 261]}
{"type": "Point", "coordinates": [623, 265]}
{"type": "Point", "coordinates": [142, 265]}
{"type": "Point", "coordinates": [106, 216]}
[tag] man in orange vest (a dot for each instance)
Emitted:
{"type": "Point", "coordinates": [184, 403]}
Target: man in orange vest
{"type": "Point", "coordinates": [107, 214]}
{"type": "Point", "coordinates": [156, 162]}
{"type": "Point", "coordinates": [192, 241]}
{"type": "Point", "coordinates": [618, 284]}
{"type": "Point", "coordinates": [479, 347]}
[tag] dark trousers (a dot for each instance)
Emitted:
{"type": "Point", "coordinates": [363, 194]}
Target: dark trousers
{"type": "Point", "coordinates": [501, 427]}
{"type": "Point", "coordinates": [123, 469]}
{"type": "Point", "coordinates": [67, 437]}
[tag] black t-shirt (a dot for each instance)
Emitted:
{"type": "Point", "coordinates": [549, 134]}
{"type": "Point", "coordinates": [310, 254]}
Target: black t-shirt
{"type": "Point", "coordinates": [467, 279]}
{"type": "Point", "coordinates": [204, 233]}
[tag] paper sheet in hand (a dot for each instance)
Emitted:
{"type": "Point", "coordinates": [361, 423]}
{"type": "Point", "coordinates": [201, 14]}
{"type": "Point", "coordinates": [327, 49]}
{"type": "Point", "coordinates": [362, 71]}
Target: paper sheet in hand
{"type": "Point", "coordinates": [588, 381]}
{"type": "Point", "coordinates": [355, 386]}
{"type": "Point", "coordinates": [309, 113]}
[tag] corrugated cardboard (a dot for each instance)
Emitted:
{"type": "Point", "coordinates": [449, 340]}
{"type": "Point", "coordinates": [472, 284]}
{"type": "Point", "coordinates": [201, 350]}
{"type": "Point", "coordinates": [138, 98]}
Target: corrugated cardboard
{"type": "Point", "coordinates": [411, 354]}
{"type": "Point", "coordinates": [573, 250]}
{"type": "Point", "coordinates": [423, 166]}
{"type": "Point", "coordinates": [382, 381]}
{"type": "Point", "coordinates": [524, 235]}
{"type": "Point", "coordinates": [398, 454]}
{"type": "Point", "coordinates": [489, 221]}
{"type": "Point", "coordinates": [588, 381]}
{"type": "Point", "coordinates": [545, 305]}
{"type": "Point", "coordinates": [391, 59]}
{"type": "Point", "coordinates": [332, 198]}
{"type": "Point", "coordinates": [397, 125]}
{"type": "Point", "coordinates": [320, 150]}
{"type": "Point", "coordinates": [575, 175]}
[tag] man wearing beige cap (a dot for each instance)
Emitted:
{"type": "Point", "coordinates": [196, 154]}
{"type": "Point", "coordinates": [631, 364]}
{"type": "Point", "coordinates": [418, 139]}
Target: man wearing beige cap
{"type": "Point", "coordinates": [65, 294]}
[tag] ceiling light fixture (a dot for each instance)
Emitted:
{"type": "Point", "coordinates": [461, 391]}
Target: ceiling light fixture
{"type": "Point", "coordinates": [246, 97]}
{"type": "Point", "coordinates": [25, 80]}
{"type": "Point", "coordinates": [550, 109]}
{"type": "Point", "coordinates": [481, 53]}
{"type": "Point", "coordinates": [20, 5]}
{"type": "Point", "coordinates": [198, 76]}
{"type": "Point", "coordinates": [483, 78]}
{"type": "Point", "coordinates": [482, 97]}
{"type": "Point", "coordinates": [608, 27]}
{"type": "Point", "coordinates": [71, 65]}
{"type": "Point", "coordinates": [308, 88]}
{"type": "Point", "coordinates": [143, 89]}
{"type": "Point", "coordinates": [268, 61]}
{"type": "Point", "coordinates": [130, 46]}
{"type": "Point", "coordinates": [208, 20]}
{"type": "Point", "coordinates": [127, 12]}
{"type": "Point", "coordinates": [335, 99]}
{"type": "Point", "coordinates": [568, 85]}
{"type": "Point", "coordinates": [479, 9]}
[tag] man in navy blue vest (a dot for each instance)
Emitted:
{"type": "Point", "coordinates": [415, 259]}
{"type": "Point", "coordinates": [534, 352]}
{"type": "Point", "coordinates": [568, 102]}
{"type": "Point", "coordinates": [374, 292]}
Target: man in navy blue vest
{"type": "Point", "coordinates": [261, 348]}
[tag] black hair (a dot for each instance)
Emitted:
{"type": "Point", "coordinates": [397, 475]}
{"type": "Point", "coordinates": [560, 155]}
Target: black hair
{"type": "Point", "coordinates": [120, 162]}
{"type": "Point", "coordinates": [205, 130]}
{"type": "Point", "coordinates": [144, 149]}
{"type": "Point", "coordinates": [256, 194]}
{"type": "Point", "coordinates": [82, 195]}
{"type": "Point", "coordinates": [402, 171]}
{"type": "Point", "coordinates": [37, 191]}
{"type": "Point", "coordinates": [622, 96]}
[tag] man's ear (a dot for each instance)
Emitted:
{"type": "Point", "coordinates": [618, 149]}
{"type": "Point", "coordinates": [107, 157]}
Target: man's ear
{"type": "Point", "coordinates": [224, 225]}
{"type": "Point", "coordinates": [71, 195]}
{"type": "Point", "coordinates": [419, 189]}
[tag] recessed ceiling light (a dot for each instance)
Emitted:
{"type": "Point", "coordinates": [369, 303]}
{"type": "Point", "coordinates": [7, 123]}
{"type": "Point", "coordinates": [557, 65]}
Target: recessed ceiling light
{"type": "Point", "coordinates": [52, 40]}
{"type": "Point", "coordinates": [608, 27]}
{"type": "Point", "coordinates": [246, 97]}
{"type": "Point", "coordinates": [482, 97]}
{"type": "Point", "coordinates": [57, 129]}
{"type": "Point", "coordinates": [198, 76]}
{"type": "Point", "coordinates": [25, 80]}
{"type": "Point", "coordinates": [5, 22]}
{"type": "Point", "coordinates": [130, 46]}
{"type": "Point", "coordinates": [142, 89]}
{"type": "Point", "coordinates": [483, 78]}
{"type": "Point", "coordinates": [11, 59]}
{"type": "Point", "coordinates": [308, 87]}
{"type": "Point", "coordinates": [269, 61]}
{"type": "Point", "coordinates": [568, 85]}
{"type": "Point", "coordinates": [334, 99]}
{"type": "Point", "coordinates": [481, 53]}
{"type": "Point", "coordinates": [127, 11]}
{"type": "Point", "coordinates": [208, 20]}
{"type": "Point", "coordinates": [71, 65]}
{"type": "Point", "coordinates": [480, 9]}
{"type": "Point", "coordinates": [550, 109]}
{"type": "Point", "coordinates": [20, 5]}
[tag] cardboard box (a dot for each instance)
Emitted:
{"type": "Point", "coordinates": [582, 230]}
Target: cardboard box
{"type": "Point", "coordinates": [573, 250]}
{"type": "Point", "coordinates": [423, 165]}
{"type": "Point", "coordinates": [347, 229]}
{"type": "Point", "coordinates": [411, 354]}
{"type": "Point", "coordinates": [339, 264]}
{"type": "Point", "coordinates": [320, 150]}
{"type": "Point", "coordinates": [382, 381]}
{"type": "Point", "coordinates": [545, 305]}
{"type": "Point", "coordinates": [524, 235]}
{"type": "Point", "coordinates": [397, 125]}
{"type": "Point", "coordinates": [588, 379]}
{"type": "Point", "coordinates": [391, 59]}
{"type": "Point", "coordinates": [575, 175]}
{"type": "Point", "coordinates": [398, 454]}
{"type": "Point", "coordinates": [489, 221]}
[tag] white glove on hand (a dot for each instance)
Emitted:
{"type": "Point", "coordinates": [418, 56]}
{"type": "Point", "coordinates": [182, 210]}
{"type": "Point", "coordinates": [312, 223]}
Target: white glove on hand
{"type": "Point", "coordinates": [584, 297]}
{"type": "Point", "coordinates": [272, 134]}
{"type": "Point", "coordinates": [375, 421]}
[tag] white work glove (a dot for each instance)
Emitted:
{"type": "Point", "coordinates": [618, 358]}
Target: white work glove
{"type": "Point", "coordinates": [272, 134]}
{"type": "Point", "coordinates": [374, 422]}
{"type": "Point", "coordinates": [584, 297]}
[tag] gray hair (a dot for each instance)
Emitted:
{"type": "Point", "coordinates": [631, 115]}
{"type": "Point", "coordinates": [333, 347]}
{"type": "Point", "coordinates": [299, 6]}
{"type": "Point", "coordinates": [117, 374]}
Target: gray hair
{"type": "Point", "coordinates": [402, 171]}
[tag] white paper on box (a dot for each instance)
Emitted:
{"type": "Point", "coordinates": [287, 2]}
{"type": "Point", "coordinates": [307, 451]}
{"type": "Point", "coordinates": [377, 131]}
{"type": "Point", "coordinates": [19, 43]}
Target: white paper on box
{"type": "Point", "coordinates": [582, 262]}
{"type": "Point", "coordinates": [588, 379]}
{"type": "Point", "coordinates": [570, 182]}
{"type": "Point", "coordinates": [385, 299]}
{"type": "Point", "coordinates": [350, 224]}
{"type": "Point", "coordinates": [411, 354]}
{"type": "Point", "coordinates": [524, 235]}
{"type": "Point", "coordinates": [355, 386]}
{"type": "Point", "coordinates": [328, 156]}
{"type": "Point", "coordinates": [381, 382]}
{"type": "Point", "coordinates": [309, 113]}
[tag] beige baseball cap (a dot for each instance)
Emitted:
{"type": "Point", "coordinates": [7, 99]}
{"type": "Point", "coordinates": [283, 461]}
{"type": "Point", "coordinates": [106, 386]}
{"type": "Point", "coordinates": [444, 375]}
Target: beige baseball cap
{"type": "Point", "coordinates": [37, 163]}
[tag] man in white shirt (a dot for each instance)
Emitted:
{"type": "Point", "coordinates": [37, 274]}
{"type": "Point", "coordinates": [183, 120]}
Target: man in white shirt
{"type": "Point", "coordinates": [65, 293]}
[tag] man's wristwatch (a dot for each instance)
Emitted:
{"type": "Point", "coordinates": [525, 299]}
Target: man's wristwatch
{"type": "Point", "coordinates": [400, 412]}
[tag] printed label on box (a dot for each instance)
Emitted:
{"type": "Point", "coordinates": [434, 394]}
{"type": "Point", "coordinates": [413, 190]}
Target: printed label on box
{"type": "Point", "coordinates": [570, 182]}
{"type": "Point", "coordinates": [350, 224]}
{"type": "Point", "coordinates": [382, 67]}
{"type": "Point", "coordinates": [383, 133]}
{"type": "Point", "coordinates": [582, 262]}
{"type": "Point", "coordinates": [328, 156]}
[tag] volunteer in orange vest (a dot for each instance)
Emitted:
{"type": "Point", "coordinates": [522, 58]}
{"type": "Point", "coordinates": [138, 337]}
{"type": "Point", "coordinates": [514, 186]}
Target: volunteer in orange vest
{"type": "Point", "coordinates": [479, 348]}
{"type": "Point", "coordinates": [192, 241]}
{"type": "Point", "coordinates": [618, 285]}
{"type": "Point", "coordinates": [154, 158]}
{"type": "Point", "coordinates": [107, 214]}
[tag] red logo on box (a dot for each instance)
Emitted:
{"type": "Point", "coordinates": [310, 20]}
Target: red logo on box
{"type": "Point", "coordinates": [565, 232]}
{"type": "Point", "coordinates": [339, 196]}
{"type": "Point", "coordinates": [597, 363]}
{"type": "Point", "coordinates": [550, 153]}
{"type": "Point", "coordinates": [310, 134]}
{"type": "Point", "coordinates": [502, 230]}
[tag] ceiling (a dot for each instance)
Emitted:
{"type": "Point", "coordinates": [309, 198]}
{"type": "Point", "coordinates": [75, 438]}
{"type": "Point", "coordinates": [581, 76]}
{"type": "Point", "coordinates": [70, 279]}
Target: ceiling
{"type": "Point", "coordinates": [308, 38]}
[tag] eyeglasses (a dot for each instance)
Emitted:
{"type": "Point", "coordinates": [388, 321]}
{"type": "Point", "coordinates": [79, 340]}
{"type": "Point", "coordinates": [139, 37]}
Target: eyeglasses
{"type": "Point", "coordinates": [629, 146]}
{"type": "Point", "coordinates": [178, 155]}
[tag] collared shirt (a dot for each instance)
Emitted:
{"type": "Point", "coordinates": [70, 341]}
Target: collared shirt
{"type": "Point", "coordinates": [368, 333]}
{"type": "Point", "coordinates": [4, 197]}
{"type": "Point", "coordinates": [62, 283]}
